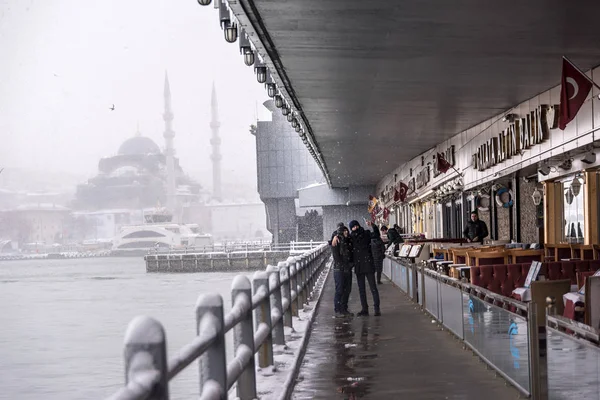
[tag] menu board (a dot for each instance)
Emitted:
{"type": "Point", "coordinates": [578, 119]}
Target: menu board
{"type": "Point", "coordinates": [534, 270]}
{"type": "Point", "coordinates": [415, 251]}
{"type": "Point", "coordinates": [405, 250]}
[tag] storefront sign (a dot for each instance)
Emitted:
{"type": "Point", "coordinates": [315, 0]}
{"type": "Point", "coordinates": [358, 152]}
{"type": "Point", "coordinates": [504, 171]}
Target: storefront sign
{"type": "Point", "coordinates": [448, 156]}
{"type": "Point", "coordinates": [521, 135]}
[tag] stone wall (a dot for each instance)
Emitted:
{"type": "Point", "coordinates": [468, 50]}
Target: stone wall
{"type": "Point", "coordinates": [485, 216]}
{"type": "Point", "coordinates": [503, 222]}
{"type": "Point", "coordinates": [528, 220]}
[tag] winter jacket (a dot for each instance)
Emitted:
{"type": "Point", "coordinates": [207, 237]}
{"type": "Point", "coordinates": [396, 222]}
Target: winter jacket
{"type": "Point", "coordinates": [476, 229]}
{"type": "Point", "coordinates": [361, 250]}
{"type": "Point", "coordinates": [377, 249]}
{"type": "Point", "coordinates": [342, 252]}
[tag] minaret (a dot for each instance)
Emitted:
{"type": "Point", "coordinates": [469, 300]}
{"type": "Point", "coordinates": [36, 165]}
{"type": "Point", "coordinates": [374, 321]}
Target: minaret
{"type": "Point", "coordinates": [169, 134]}
{"type": "Point", "coordinates": [215, 141]}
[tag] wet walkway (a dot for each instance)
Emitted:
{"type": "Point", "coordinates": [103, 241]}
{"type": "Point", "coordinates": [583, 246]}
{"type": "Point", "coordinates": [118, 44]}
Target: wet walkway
{"type": "Point", "coordinates": [400, 355]}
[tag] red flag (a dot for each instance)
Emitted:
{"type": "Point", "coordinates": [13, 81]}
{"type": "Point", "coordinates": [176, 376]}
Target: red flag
{"type": "Point", "coordinates": [574, 89]}
{"type": "Point", "coordinates": [402, 192]}
{"type": "Point", "coordinates": [386, 213]}
{"type": "Point", "coordinates": [442, 165]}
{"type": "Point", "coordinates": [396, 194]}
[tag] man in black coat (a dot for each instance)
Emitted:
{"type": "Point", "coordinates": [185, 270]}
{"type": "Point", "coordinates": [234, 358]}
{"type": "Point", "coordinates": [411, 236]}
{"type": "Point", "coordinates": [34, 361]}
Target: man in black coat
{"type": "Point", "coordinates": [378, 250]}
{"type": "Point", "coordinates": [476, 230]}
{"type": "Point", "coordinates": [341, 249]}
{"type": "Point", "coordinates": [394, 238]}
{"type": "Point", "coordinates": [364, 266]}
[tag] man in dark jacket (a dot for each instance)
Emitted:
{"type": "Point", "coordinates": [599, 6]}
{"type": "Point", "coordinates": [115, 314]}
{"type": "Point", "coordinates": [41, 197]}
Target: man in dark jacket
{"type": "Point", "coordinates": [476, 230]}
{"type": "Point", "coordinates": [378, 250]}
{"type": "Point", "coordinates": [394, 238]}
{"type": "Point", "coordinates": [363, 265]}
{"type": "Point", "coordinates": [341, 249]}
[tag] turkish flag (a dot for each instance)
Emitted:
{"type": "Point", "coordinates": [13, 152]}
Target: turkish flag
{"type": "Point", "coordinates": [386, 213]}
{"type": "Point", "coordinates": [574, 89]}
{"type": "Point", "coordinates": [402, 192]}
{"type": "Point", "coordinates": [442, 165]}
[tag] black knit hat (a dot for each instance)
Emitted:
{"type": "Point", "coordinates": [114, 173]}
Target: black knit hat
{"type": "Point", "coordinates": [353, 223]}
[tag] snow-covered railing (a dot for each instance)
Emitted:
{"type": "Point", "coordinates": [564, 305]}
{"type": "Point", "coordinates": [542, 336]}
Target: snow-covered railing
{"type": "Point", "coordinates": [293, 247]}
{"type": "Point", "coordinates": [260, 311]}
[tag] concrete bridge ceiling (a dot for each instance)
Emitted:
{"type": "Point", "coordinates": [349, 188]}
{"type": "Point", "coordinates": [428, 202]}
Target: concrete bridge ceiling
{"type": "Point", "coordinates": [381, 81]}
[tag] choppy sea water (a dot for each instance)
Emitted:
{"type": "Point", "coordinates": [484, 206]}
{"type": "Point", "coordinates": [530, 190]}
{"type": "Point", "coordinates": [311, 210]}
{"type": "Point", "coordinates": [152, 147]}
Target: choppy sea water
{"type": "Point", "coordinates": [62, 323]}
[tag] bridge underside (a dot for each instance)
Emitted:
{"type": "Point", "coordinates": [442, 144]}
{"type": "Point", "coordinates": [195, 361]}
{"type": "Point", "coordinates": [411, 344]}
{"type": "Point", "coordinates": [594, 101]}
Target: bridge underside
{"type": "Point", "coordinates": [379, 82]}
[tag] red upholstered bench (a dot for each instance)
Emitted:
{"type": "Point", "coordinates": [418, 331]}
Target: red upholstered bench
{"type": "Point", "coordinates": [503, 279]}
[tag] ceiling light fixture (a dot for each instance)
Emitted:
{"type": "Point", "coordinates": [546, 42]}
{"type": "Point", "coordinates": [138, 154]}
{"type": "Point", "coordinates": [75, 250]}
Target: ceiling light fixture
{"type": "Point", "coordinates": [278, 101]}
{"type": "Point", "coordinates": [231, 32]}
{"type": "Point", "coordinates": [261, 74]}
{"type": "Point", "coordinates": [271, 90]}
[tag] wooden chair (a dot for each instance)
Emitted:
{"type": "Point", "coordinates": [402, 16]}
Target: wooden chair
{"type": "Point", "coordinates": [592, 301]}
{"type": "Point", "coordinates": [488, 257]}
{"type": "Point", "coordinates": [542, 289]}
{"type": "Point", "coordinates": [596, 248]}
{"type": "Point", "coordinates": [558, 251]}
{"type": "Point", "coordinates": [521, 256]}
{"type": "Point", "coordinates": [442, 252]}
{"type": "Point", "coordinates": [581, 277]}
{"type": "Point", "coordinates": [459, 254]}
{"type": "Point", "coordinates": [583, 251]}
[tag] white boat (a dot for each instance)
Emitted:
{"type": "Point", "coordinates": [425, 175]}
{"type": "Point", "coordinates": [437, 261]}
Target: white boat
{"type": "Point", "coordinates": [158, 233]}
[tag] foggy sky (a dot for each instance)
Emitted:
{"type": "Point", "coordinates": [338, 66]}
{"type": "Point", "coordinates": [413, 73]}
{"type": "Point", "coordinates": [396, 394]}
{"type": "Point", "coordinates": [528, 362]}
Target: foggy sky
{"type": "Point", "coordinates": [64, 62]}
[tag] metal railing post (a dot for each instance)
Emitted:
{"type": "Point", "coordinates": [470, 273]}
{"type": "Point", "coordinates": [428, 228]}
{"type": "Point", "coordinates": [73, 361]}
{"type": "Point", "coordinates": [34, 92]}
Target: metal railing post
{"type": "Point", "coordinates": [276, 305]}
{"type": "Point", "coordinates": [534, 357]}
{"type": "Point", "coordinates": [286, 294]}
{"type": "Point", "coordinates": [311, 270]}
{"type": "Point", "coordinates": [262, 315]}
{"type": "Point", "coordinates": [301, 271]}
{"type": "Point", "coordinates": [293, 285]}
{"type": "Point", "coordinates": [212, 363]}
{"type": "Point", "coordinates": [243, 338]}
{"type": "Point", "coordinates": [145, 354]}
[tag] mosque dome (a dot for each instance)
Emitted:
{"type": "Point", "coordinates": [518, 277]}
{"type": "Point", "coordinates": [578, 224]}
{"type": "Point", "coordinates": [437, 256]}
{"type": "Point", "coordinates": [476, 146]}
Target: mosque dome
{"type": "Point", "coordinates": [138, 145]}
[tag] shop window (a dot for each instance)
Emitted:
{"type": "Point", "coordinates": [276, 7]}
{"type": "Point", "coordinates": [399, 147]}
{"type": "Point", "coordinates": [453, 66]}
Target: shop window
{"type": "Point", "coordinates": [573, 211]}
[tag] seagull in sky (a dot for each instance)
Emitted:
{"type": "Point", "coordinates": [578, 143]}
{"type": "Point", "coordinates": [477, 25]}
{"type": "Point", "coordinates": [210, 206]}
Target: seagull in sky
{"type": "Point", "coordinates": [112, 108]}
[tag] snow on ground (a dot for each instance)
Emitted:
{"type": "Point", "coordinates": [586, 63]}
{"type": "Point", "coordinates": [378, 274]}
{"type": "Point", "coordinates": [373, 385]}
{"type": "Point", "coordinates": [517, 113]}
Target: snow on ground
{"type": "Point", "coordinates": [272, 382]}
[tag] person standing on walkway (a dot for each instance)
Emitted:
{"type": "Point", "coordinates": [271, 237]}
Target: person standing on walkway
{"type": "Point", "coordinates": [476, 230]}
{"type": "Point", "coordinates": [378, 251]}
{"type": "Point", "coordinates": [341, 249]}
{"type": "Point", "coordinates": [363, 265]}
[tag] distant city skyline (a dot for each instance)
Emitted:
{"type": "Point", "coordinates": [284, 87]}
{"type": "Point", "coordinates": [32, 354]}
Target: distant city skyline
{"type": "Point", "coordinates": [68, 62]}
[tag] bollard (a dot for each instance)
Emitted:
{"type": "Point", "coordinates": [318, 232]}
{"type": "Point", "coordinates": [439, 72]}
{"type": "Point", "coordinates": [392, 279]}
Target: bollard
{"type": "Point", "coordinates": [284, 276]}
{"type": "Point", "coordinates": [262, 314]}
{"type": "Point", "coordinates": [243, 337]}
{"type": "Point", "coordinates": [276, 305]}
{"type": "Point", "coordinates": [145, 353]}
{"type": "Point", "coordinates": [212, 363]}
